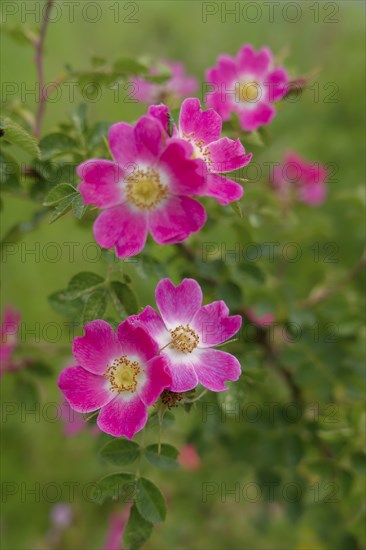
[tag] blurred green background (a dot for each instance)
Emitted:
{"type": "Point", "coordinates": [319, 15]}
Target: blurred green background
{"type": "Point", "coordinates": [310, 452]}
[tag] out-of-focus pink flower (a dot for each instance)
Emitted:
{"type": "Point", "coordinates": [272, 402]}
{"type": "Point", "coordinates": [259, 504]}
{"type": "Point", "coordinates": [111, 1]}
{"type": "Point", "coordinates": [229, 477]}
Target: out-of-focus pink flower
{"type": "Point", "coordinates": [260, 320]}
{"type": "Point", "coordinates": [247, 85]}
{"type": "Point", "coordinates": [178, 86]}
{"type": "Point", "coordinates": [202, 129]}
{"type": "Point", "coordinates": [9, 329]}
{"type": "Point", "coordinates": [74, 422]}
{"type": "Point", "coordinates": [306, 180]}
{"type": "Point", "coordinates": [189, 459]}
{"type": "Point", "coordinates": [119, 373]}
{"type": "Point", "coordinates": [186, 334]}
{"type": "Point", "coordinates": [61, 516]}
{"type": "Point", "coordinates": [147, 189]}
{"type": "Point", "coordinates": [117, 524]}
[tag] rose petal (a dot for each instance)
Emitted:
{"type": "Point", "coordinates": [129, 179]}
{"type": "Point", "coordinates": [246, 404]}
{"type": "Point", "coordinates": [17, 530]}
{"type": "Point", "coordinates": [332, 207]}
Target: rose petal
{"type": "Point", "coordinates": [124, 416]}
{"type": "Point", "coordinates": [86, 392]}
{"type": "Point", "coordinates": [178, 304]}
{"type": "Point", "coordinates": [122, 227]}
{"type": "Point", "coordinates": [158, 378]}
{"type": "Point", "coordinates": [95, 351]}
{"type": "Point", "coordinates": [176, 220]}
{"type": "Point", "coordinates": [216, 367]}
{"type": "Point", "coordinates": [214, 325]}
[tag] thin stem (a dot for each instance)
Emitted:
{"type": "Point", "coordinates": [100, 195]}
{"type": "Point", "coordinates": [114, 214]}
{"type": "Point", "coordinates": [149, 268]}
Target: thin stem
{"type": "Point", "coordinates": [195, 398]}
{"type": "Point", "coordinates": [40, 70]}
{"type": "Point", "coordinates": [325, 293]}
{"type": "Point", "coordinates": [161, 412]}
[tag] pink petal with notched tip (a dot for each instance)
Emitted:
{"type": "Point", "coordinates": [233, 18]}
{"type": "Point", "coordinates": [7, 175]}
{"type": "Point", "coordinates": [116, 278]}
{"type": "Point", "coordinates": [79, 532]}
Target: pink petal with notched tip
{"type": "Point", "coordinates": [178, 304]}
{"type": "Point", "coordinates": [97, 349]}
{"type": "Point", "coordinates": [214, 325]}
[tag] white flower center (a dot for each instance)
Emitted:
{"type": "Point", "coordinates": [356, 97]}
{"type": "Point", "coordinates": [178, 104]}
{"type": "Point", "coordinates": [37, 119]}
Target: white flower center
{"type": "Point", "coordinates": [122, 374]}
{"type": "Point", "coordinates": [184, 338]}
{"type": "Point", "coordinates": [247, 91]}
{"type": "Point", "coordinates": [144, 188]}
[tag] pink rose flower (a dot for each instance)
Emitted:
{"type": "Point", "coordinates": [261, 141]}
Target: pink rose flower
{"type": "Point", "coordinates": [9, 329]}
{"type": "Point", "coordinates": [147, 188]}
{"type": "Point", "coordinates": [247, 85]}
{"type": "Point", "coordinates": [178, 86]}
{"type": "Point", "coordinates": [264, 320]}
{"type": "Point", "coordinates": [120, 374]}
{"type": "Point", "coordinates": [306, 180]}
{"type": "Point", "coordinates": [186, 333]}
{"type": "Point", "coordinates": [74, 422]}
{"type": "Point", "coordinates": [202, 129]}
{"type": "Point", "coordinates": [189, 459]}
{"type": "Point", "coordinates": [117, 524]}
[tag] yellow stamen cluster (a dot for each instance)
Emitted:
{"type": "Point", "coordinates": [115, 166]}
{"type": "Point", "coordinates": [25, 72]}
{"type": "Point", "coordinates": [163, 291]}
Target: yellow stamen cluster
{"type": "Point", "coordinates": [144, 188]}
{"type": "Point", "coordinates": [122, 374]}
{"type": "Point", "coordinates": [247, 92]}
{"type": "Point", "coordinates": [184, 338]}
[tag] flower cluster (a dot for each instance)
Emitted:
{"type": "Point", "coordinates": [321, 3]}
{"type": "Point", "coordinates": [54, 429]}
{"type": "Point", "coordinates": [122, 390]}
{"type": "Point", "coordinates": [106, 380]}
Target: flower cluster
{"type": "Point", "coordinates": [122, 373]}
{"type": "Point", "coordinates": [155, 173]}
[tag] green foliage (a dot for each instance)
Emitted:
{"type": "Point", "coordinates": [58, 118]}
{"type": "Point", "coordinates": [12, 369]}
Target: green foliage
{"type": "Point", "coordinates": [120, 452]}
{"type": "Point", "coordinates": [149, 501]}
{"type": "Point", "coordinates": [137, 530]}
{"type": "Point", "coordinates": [164, 458]}
{"type": "Point", "coordinates": [13, 133]}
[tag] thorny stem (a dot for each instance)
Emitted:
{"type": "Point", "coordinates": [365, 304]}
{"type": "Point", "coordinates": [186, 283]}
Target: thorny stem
{"type": "Point", "coordinates": [40, 70]}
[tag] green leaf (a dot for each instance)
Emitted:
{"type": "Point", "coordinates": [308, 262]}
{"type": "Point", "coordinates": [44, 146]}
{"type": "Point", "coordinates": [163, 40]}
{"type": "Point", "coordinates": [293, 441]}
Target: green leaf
{"type": "Point", "coordinates": [79, 118]}
{"type": "Point", "coordinates": [57, 144]}
{"type": "Point", "coordinates": [129, 66]}
{"type": "Point", "coordinates": [82, 283]}
{"type": "Point", "coordinates": [95, 305]}
{"type": "Point", "coordinates": [121, 487]}
{"type": "Point", "coordinates": [78, 207]}
{"type": "Point", "coordinates": [9, 172]}
{"type": "Point", "coordinates": [168, 419]}
{"type": "Point", "coordinates": [125, 297]}
{"type": "Point", "coordinates": [58, 193]}
{"type": "Point", "coordinates": [95, 135]}
{"type": "Point", "coordinates": [149, 501]}
{"type": "Point", "coordinates": [120, 452]}
{"type": "Point", "coordinates": [252, 271]}
{"type": "Point", "coordinates": [231, 294]}
{"type": "Point", "coordinates": [166, 460]}
{"type": "Point", "coordinates": [253, 138]}
{"type": "Point", "coordinates": [137, 530]}
{"type": "Point", "coordinates": [40, 369]}
{"type": "Point", "coordinates": [27, 391]}
{"type": "Point", "coordinates": [158, 79]}
{"type": "Point", "coordinates": [70, 308]}
{"type": "Point", "coordinates": [236, 206]}
{"type": "Point", "coordinates": [16, 135]}
{"type": "Point", "coordinates": [61, 209]}
{"type": "Point", "coordinates": [19, 33]}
